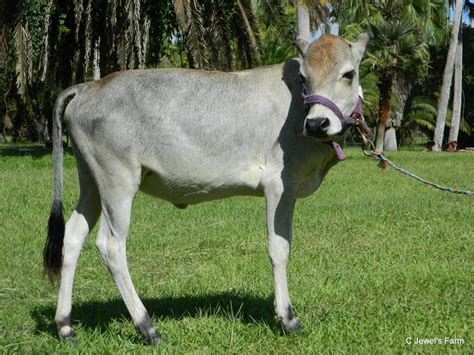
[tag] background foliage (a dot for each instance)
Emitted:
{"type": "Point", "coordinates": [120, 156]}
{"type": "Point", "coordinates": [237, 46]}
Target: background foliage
{"type": "Point", "coordinates": [47, 45]}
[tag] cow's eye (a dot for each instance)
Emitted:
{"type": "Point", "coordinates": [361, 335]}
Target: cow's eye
{"type": "Point", "coordinates": [349, 75]}
{"type": "Point", "coordinates": [302, 78]}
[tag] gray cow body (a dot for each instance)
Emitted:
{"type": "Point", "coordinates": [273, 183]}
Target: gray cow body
{"type": "Point", "coordinates": [190, 136]}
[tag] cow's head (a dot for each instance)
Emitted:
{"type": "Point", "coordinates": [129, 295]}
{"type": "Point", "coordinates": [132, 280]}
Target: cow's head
{"type": "Point", "coordinates": [330, 69]}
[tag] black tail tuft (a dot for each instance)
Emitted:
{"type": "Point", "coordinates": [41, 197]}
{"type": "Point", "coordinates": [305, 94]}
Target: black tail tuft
{"type": "Point", "coordinates": [52, 253]}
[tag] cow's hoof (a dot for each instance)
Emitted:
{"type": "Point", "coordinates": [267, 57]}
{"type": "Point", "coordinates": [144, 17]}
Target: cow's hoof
{"type": "Point", "coordinates": [67, 335]}
{"type": "Point", "coordinates": [153, 339]}
{"type": "Point", "coordinates": [65, 332]}
{"type": "Point", "coordinates": [292, 326]}
{"type": "Point", "coordinates": [150, 335]}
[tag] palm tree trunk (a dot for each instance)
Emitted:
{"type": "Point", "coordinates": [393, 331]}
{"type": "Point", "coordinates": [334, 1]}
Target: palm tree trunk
{"type": "Point", "coordinates": [400, 91]}
{"type": "Point", "coordinates": [390, 140]}
{"type": "Point", "coordinates": [385, 88]}
{"type": "Point", "coordinates": [457, 101]}
{"type": "Point", "coordinates": [447, 79]}
{"type": "Point", "coordinates": [303, 25]}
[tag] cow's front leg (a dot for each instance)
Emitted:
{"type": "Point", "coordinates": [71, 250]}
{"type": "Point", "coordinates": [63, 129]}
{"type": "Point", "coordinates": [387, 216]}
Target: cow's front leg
{"type": "Point", "coordinates": [280, 206]}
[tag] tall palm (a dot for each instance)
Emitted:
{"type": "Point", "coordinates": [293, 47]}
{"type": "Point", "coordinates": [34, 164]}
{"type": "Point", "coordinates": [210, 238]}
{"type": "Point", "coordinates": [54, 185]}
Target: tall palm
{"type": "Point", "coordinates": [447, 79]}
{"type": "Point", "coordinates": [458, 82]}
{"type": "Point", "coordinates": [457, 99]}
{"type": "Point", "coordinates": [399, 52]}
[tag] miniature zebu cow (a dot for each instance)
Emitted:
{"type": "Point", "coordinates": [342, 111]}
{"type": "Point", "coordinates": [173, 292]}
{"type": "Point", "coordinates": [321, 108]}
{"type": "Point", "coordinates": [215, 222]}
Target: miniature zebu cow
{"type": "Point", "coordinates": [189, 136]}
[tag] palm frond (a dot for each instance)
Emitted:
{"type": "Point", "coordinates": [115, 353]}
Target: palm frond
{"type": "Point", "coordinates": [422, 122]}
{"type": "Point", "coordinates": [427, 109]}
{"type": "Point", "coordinates": [219, 42]}
{"type": "Point", "coordinates": [180, 8]}
{"type": "Point", "coordinates": [130, 49]}
{"type": "Point", "coordinates": [271, 11]}
{"type": "Point", "coordinates": [24, 52]}
{"type": "Point", "coordinates": [195, 32]}
{"type": "Point", "coordinates": [136, 32]}
{"type": "Point", "coordinates": [145, 38]}
{"type": "Point", "coordinates": [46, 25]}
{"type": "Point", "coordinates": [111, 25]}
{"type": "Point", "coordinates": [88, 37]}
{"type": "Point", "coordinates": [78, 11]}
{"type": "Point", "coordinates": [244, 52]}
{"type": "Point", "coordinates": [122, 51]}
{"type": "Point", "coordinates": [251, 28]}
{"type": "Point", "coordinates": [9, 12]}
{"type": "Point", "coordinates": [3, 47]}
{"type": "Point", "coordinates": [465, 127]}
{"type": "Point", "coordinates": [96, 60]}
{"type": "Point", "coordinates": [421, 112]}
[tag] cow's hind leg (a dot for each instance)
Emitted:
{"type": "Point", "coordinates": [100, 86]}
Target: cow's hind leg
{"type": "Point", "coordinates": [111, 242]}
{"type": "Point", "coordinates": [78, 227]}
{"type": "Point", "coordinates": [280, 206]}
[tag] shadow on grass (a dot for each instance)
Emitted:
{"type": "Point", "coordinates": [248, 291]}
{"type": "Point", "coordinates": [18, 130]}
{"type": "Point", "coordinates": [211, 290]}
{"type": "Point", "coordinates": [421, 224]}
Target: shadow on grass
{"type": "Point", "coordinates": [98, 315]}
{"type": "Point", "coordinates": [36, 152]}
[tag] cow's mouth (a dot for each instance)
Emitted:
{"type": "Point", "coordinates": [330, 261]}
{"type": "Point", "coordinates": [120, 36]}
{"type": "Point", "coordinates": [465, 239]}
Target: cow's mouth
{"type": "Point", "coordinates": [337, 149]}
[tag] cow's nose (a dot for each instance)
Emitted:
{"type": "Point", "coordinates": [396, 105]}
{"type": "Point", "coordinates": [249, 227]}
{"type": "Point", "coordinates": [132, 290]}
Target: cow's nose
{"type": "Point", "coordinates": [317, 127]}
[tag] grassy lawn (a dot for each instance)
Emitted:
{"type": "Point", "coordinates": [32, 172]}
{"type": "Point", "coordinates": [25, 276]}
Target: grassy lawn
{"type": "Point", "coordinates": [376, 258]}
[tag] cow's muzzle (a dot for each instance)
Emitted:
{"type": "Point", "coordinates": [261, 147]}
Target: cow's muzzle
{"type": "Point", "coordinates": [317, 127]}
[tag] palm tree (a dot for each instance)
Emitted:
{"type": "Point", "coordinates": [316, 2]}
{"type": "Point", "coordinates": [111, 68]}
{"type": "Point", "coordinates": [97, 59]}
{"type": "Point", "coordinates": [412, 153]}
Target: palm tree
{"type": "Point", "coordinates": [13, 21]}
{"type": "Point", "coordinates": [18, 39]}
{"type": "Point", "coordinates": [447, 79]}
{"type": "Point", "coordinates": [457, 100]}
{"type": "Point", "coordinates": [398, 51]}
{"type": "Point", "coordinates": [458, 85]}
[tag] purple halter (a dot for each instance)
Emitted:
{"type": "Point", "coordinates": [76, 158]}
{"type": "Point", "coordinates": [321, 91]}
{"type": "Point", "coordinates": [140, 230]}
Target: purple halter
{"type": "Point", "coordinates": [351, 120]}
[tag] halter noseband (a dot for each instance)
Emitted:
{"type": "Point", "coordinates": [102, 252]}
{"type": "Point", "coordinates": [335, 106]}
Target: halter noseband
{"type": "Point", "coordinates": [355, 119]}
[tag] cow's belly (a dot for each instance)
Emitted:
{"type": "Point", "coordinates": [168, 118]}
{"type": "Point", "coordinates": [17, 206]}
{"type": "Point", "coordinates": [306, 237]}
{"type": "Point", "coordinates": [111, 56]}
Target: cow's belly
{"type": "Point", "coordinates": [184, 190]}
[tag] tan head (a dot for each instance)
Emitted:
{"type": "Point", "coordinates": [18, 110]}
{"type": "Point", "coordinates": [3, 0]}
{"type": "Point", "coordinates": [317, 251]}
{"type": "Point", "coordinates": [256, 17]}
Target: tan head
{"type": "Point", "coordinates": [330, 68]}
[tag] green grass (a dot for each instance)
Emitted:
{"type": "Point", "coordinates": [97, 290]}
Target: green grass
{"type": "Point", "coordinates": [376, 258]}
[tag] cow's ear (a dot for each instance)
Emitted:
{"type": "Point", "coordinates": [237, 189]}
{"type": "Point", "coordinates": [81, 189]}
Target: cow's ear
{"type": "Point", "coordinates": [359, 46]}
{"type": "Point", "coordinates": [302, 46]}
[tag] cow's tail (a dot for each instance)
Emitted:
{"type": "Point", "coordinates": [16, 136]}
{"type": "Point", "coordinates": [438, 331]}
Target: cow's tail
{"type": "Point", "coordinates": [52, 253]}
